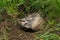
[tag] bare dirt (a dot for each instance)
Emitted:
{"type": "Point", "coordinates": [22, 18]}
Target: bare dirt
{"type": "Point", "coordinates": [16, 33]}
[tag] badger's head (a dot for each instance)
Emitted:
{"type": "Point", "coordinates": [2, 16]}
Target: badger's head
{"type": "Point", "coordinates": [26, 22]}
{"type": "Point", "coordinates": [32, 21]}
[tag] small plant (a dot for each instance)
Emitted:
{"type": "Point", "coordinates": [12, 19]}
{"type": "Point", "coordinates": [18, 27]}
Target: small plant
{"type": "Point", "coordinates": [4, 35]}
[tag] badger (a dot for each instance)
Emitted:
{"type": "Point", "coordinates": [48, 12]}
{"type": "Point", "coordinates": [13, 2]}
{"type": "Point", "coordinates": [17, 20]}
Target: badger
{"type": "Point", "coordinates": [33, 21]}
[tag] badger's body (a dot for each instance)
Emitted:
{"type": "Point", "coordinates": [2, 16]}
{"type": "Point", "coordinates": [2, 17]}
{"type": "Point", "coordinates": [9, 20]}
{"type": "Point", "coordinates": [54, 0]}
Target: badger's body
{"type": "Point", "coordinates": [33, 21]}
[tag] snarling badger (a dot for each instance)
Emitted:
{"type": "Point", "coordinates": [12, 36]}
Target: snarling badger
{"type": "Point", "coordinates": [33, 21]}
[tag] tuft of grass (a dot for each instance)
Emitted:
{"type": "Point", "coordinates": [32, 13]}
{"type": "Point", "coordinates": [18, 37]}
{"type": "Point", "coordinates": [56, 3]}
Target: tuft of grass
{"type": "Point", "coordinates": [4, 34]}
{"type": "Point", "coordinates": [48, 36]}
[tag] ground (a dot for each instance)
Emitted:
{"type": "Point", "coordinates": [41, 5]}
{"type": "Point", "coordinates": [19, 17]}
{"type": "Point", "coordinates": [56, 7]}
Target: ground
{"type": "Point", "coordinates": [15, 33]}
{"type": "Point", "coordinates": [11, 31]}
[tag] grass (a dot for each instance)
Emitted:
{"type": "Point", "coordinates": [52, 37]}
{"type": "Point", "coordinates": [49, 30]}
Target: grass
{"type": "Point", "coordinates": [4, 34]}
{"type": "Point", "coordinates": [50, 12]}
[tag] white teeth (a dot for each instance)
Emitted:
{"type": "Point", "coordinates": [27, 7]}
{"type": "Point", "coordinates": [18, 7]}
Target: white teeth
{"type": "Point", "coordinates": [27, 26]}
